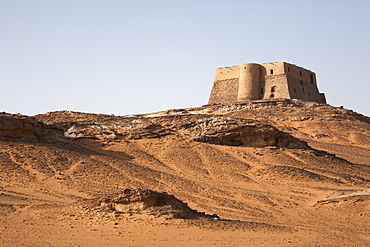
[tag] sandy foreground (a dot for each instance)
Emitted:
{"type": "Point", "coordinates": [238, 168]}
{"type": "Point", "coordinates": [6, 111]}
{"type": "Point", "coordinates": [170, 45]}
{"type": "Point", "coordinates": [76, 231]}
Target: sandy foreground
{"type": "Point", "coordinates": [344, 223]}
{"type": "Point", "coordinates": [313, 190]}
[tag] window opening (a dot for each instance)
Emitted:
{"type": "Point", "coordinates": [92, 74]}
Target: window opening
{"type": "Point", "coordinates": [300, 73]}
{"type": "Point", "coordinates": [289, 69]}
{"type": "Point", "coordinates": [302, 86]}
{"type": "Point", "coordinates": [273, 89]}
{"type": "Point", "coordinates": [311, 78]}
{"type": "Point", "coordinates": [272, 95]}
{"type": "Point", "coordinates": [271, 71]}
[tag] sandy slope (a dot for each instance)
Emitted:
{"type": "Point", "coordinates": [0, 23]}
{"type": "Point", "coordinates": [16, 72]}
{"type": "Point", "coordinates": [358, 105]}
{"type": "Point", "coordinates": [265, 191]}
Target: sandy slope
{"type": "Point", "coordinates": [297, 195]}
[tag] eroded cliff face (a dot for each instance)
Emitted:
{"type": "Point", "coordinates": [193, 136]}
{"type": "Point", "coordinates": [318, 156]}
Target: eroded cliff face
{"type": "Point", "coordinates": [24, 128]}
{"type": "Point", "coordinates": [209, 128]}
{"type": "Point", "coordinates": [145, 201]}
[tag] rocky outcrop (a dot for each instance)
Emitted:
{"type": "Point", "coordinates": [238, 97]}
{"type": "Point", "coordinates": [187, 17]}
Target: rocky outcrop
{"type": "Point", "coordinates": [215, 124]}
{"type": "Point", "coordinates": [23, 128]}
{"type": "Point", "coordinates": [131, 129]}
{"type": "Point", "coordinates": [211, 129]}
{"type": "Point", "coordinates": [144, 201]}
{"type": "Point", "coordinates": [239, 132]}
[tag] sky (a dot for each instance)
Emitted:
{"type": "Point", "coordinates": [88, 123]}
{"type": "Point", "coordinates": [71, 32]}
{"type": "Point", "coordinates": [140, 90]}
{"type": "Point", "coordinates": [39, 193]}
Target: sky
{"type": "Point", "coordinates": [141, 56]}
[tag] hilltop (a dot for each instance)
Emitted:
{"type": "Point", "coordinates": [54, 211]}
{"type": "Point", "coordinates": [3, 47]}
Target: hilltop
{"type": "Point", "coordinates": [272, 172]}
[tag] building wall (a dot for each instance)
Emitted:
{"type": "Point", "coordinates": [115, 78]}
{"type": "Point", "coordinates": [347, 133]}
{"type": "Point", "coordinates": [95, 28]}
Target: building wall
{"type": "Point", "coordinates": [264, 81]}
{"type": "Point", "coordinates": [274, 68]}
{"type": "Point", "coordinates": [225, 85]}
{"type": "Point", "coordinates": [323, 98]}
{"type": "Point", "coordinates": [302, 89]}
{"type": "Point", "coordinates": [300, 73]}
{"type": "Point", "coordinates": [276, 86]}
{"type": "Point", "coordinates": [224, 91]}
{"type": "Point", "coordinates": [227, 73]}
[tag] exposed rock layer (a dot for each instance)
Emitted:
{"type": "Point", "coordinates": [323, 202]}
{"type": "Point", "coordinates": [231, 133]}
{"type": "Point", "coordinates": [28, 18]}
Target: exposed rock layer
{"type": "Point", "coordinates": [144, 201]}
{"type": "Point", "coordinates": [24, 128]}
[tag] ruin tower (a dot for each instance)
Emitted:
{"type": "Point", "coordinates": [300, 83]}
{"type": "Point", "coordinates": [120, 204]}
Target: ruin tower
{"type": "Point", "coordinates": [251, 81]}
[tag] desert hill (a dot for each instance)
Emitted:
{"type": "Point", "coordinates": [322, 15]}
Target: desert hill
{"type": "Point", "coordinates": [273, 172]}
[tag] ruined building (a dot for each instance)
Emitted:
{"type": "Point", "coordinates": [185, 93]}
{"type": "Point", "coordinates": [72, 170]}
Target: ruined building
{"type": "Point", "coordinates": [253, 81]}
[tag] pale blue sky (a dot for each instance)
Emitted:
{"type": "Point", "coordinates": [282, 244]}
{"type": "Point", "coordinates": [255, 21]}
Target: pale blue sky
{"type": "Point", "coordinates": [141, 56]}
